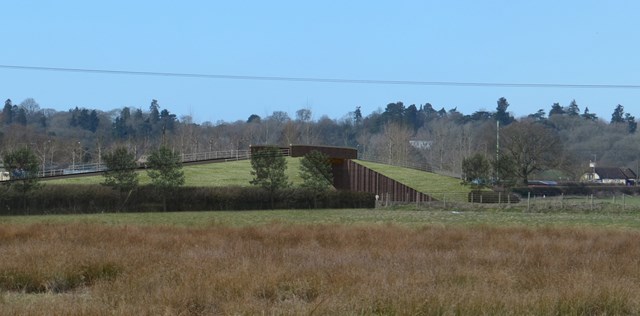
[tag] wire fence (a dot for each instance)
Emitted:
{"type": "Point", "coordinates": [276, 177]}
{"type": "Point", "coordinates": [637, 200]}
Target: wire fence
{"type": "Point", "coordinates": [531, 203]}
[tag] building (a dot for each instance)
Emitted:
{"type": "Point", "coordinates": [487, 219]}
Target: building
{"type": "Point", "coordinates": [610, 175]}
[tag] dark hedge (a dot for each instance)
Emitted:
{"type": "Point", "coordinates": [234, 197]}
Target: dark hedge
{"type": "Point", "coordinates": [75, 199]}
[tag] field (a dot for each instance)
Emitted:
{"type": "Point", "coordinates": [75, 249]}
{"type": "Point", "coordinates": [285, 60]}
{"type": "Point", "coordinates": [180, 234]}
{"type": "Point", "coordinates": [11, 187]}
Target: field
{"type": "Point", "coordinates": [404, 262]}
{"type": "Point", "coordinates": [467, 259]}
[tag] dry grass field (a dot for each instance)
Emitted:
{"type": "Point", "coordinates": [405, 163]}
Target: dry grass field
{"type": "Point", "coordinates": [322, 269]}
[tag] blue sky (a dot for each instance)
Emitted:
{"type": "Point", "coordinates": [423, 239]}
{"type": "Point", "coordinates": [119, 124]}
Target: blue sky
{"type": "Point", "coordinates": [565, 42]}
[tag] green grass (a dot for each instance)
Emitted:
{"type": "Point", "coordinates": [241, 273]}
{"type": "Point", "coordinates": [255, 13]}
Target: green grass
{"type": "Point", "coordinates": [234, 173]}
{"type": "Point", "coordinates": [402, 217]}
{"type": "Point", "coordinates": [422, 181]}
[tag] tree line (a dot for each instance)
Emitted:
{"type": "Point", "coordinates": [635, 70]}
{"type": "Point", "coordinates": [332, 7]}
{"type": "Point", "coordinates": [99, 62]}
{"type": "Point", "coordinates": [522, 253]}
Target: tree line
{"type": "Point", "coordinates": [435, 138]}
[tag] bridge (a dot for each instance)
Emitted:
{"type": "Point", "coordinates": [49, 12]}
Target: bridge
{"type": "Point", "coordinates": [78, 170]}
{"type": "Point", "coordinates": [347, 174]}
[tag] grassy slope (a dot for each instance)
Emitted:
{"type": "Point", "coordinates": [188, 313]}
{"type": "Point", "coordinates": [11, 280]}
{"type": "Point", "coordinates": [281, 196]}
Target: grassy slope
{"type": "Point", "coordinates": [213, 174]}
{"type": "Point", "coordinates": [425, 182]}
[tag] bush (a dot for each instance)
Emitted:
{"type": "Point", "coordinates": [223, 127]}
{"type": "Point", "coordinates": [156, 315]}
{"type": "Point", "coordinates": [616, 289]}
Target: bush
{"type": "Point", "coordinates": [76, 199]}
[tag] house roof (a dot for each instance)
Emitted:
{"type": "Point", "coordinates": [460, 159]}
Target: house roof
{"type": "Point", "coordinates": [615, 173]}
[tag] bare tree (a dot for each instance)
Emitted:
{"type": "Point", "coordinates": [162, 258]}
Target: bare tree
{"type": "Point", "coordinates": [529, 147]}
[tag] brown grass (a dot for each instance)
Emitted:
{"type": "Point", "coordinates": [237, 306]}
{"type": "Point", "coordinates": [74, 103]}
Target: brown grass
{"type": "Point", "coordinates": [67, 269]}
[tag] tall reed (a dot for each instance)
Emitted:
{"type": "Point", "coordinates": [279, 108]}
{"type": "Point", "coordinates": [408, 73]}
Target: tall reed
{"type": "Point", "coordinates": [70, 269]}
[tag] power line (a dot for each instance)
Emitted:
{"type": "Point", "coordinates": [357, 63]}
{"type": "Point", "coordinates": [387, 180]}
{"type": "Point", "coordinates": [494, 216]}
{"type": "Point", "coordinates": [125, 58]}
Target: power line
{"type": "Point", "coordinates": [326, 80]}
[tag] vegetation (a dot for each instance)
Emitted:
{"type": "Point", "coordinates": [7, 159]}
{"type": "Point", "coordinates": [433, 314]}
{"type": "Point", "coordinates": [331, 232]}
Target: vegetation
{"type": "Point", "coordinates": [476, 169]}
{"type": "Point", "coordinates": [165, 172]}
{"type": "Point", "coordinates": [323, 269]}
{"type": "Point", "coordinates": [315, 171]}
{"type": "Point", "coordinates": [22, 165]}
{"type": "Point", "coordinates": [120, 174]}
{"type": "Point", "coordinates": [416, 134]}
{"type": "Point", "coordinates": [426, 182]}
{"type": "Point", "coordinates": [268, 170]}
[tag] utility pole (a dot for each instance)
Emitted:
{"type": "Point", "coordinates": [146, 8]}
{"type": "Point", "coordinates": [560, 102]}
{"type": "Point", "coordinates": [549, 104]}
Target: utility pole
{"type": "Point", "coordinates": [497, 151]}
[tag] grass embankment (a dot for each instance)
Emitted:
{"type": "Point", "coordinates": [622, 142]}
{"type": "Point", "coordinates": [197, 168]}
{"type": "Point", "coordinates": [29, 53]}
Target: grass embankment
{"type": "Point", "coordinates": [64, 269]}
{"type": "Point", "coordinates": [233, 173]}
{"type": "Point", "coordinates": [426, 182]}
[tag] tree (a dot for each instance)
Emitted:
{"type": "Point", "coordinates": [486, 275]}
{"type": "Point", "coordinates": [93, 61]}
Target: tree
{"type": "Point", "coordinates": [254, 118]}
{"type": "Point", "coordinates": [557, 109]}
{"type": "Point", "coordinates": [632, 125]}
{"type": "Point", "coordinates": [476, 169]}
{"type": "Point", "coordinates": [315, 171]}
{"type": "Point", "coordinates": [530, 147]}
{"type": "Point", "coordinates": [573, 109]}
{"type": "Point", "coordinates": [7, 112]}
{"type": "Point", "coordinates": [538, 116]}
{"type": "Point", "coordinates": [268, 170]}
{"type": "Point", "coordinates": [154, 112]}
{"type": "Point", "coordinates": [618, 115]}
{"type": "Point", "coordinates": [589, 116]}
{"type": "Point", "coordinates": [502, 116]}
{"type": "Point", "coordinates": [23, 166]}
{"type": "Point", "coordinates": [165, 172]}
{"type": "Point", "coordinates": [394, 112]}
{"type": "Point", "coordinates": [120, 174]}
{"type": "Point", "coordinates": [20, 116]}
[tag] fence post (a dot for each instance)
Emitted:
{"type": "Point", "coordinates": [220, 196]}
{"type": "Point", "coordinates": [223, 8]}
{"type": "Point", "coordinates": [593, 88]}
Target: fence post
{"type": "Point", "coordinates": [499, 198]}
{"type": "Point", "coordinates": [562, 201]}
{"type": "Point", "coordinates": [528, 201]}
{"type": "Point", "coordinates": [480, 198]}
{"type": "Point", "coordinates": [444, 200]}
{"type": "Point", "coordinates": [591, 202]}
{"type": "Point", "coordinates": [624, 204]}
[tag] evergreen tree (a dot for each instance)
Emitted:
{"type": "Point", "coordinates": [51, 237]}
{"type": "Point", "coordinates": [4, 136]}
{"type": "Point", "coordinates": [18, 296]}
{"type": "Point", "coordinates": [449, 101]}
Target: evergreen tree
{"type": "Point", "coordinates": [23, 166]}
{"type": "Point", "coordinates": [268, 172]}
{"type": "Point", "coordinates": [476, 169]}
{"type": "Point", "coordinates": [556, 109]}
{"type": "Point", "coordinates": [411, 116]}
{"type": "Point", "coordinates": [632, 125]}
{"type": "Point", "coordinates": [618, 115]}
{"type": "Point", "coordinates": [573, 109]}
{"type": "Point", "coordinates": [315, 171]}
{"type": "Point", "coordinates": [254, 118]}
{"type": "Point", "coordinates": [357, 116]}
{"type": "Point", "coordinates": [168, 120]}
{"type": "Point", "coordinates": [94, 121]}
{"type": "Point", "coordinates": [165, 172]}
{"type": "Point", "coordinates": [589, 116]}
{"type": "Point", "coordinates": [502, 116]}
{"type": "Point", "coordinates": [20, 116]}
{"type": "Point", "coordinates": [154, 112]}
{"type": "Point", "coordinates": [538, 116]}
{"type": "Point", "coordinates": [7, 112]}
{"type": "Point", "coordinates": [121, 172]}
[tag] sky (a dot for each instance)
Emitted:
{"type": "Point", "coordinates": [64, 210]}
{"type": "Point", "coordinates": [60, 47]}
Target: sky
{"type": "Point", "coordinates": [515, 42]}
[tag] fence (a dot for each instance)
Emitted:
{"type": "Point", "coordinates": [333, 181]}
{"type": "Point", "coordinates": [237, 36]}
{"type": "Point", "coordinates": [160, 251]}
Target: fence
{"type": "Point", "coordinates": [530, 203]}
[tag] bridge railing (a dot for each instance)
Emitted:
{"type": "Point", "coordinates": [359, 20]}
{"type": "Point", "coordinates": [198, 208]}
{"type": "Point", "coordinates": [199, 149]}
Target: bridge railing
{"type": "Point", "coordinates": [222, 155]}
